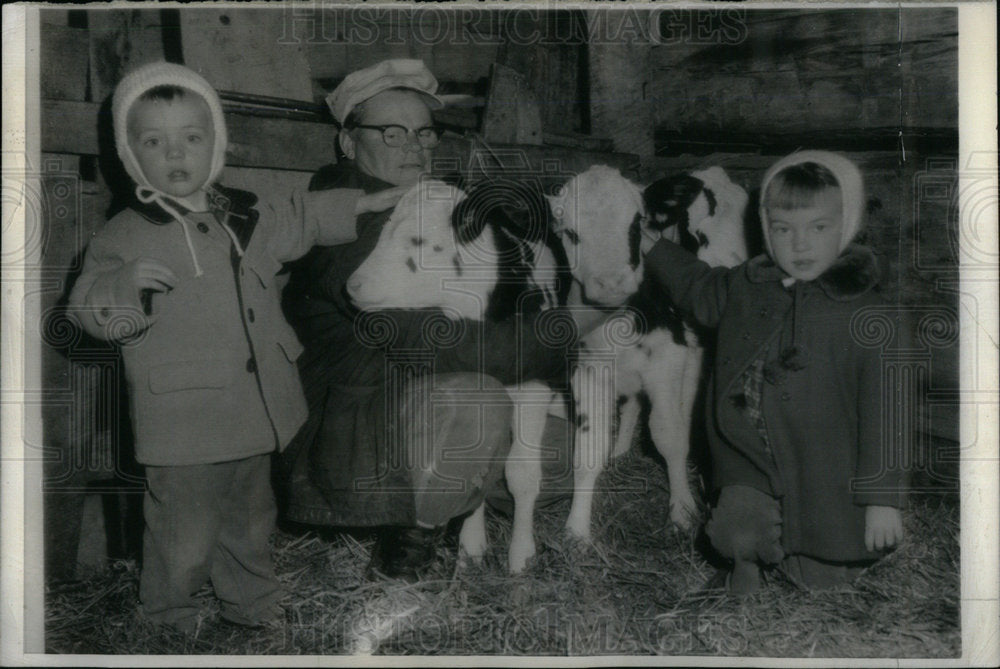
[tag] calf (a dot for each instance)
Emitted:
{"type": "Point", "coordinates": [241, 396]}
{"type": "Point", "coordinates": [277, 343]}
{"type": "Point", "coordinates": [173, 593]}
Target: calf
{"type": "Point", "coordinates": [480, 256]}
{"type": "Point", "coordinates": [645, 347]}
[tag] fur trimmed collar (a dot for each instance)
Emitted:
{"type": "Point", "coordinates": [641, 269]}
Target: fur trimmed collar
{"type": "Point", "coordinates": [854, 273]}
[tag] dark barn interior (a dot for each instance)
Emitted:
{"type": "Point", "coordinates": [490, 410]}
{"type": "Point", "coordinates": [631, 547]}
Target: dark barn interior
{"type": "Point", "coordinates": [550, 92]}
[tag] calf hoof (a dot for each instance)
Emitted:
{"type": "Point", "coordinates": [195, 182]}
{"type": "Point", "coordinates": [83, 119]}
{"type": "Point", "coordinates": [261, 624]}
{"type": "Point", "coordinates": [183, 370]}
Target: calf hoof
{"type": "Point", "coordinates": [683, 513]}
{"type": "Point", "coordinates": [472, 550]}
{"type": "Point", "coordinates": [578, 533]}
{"type": "Point", "coordinates": [519, 557]}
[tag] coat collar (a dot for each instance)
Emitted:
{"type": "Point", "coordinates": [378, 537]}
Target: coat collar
{"type": "Point", "coordinates": [221, 201]}
{"type": "Point", "coordinates": [854, 273]}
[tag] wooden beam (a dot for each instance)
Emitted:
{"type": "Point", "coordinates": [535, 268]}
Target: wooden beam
{"type": "Point", "coordinates": [63, 59]}
{"type": "Point", "coordinates": [72, 127]}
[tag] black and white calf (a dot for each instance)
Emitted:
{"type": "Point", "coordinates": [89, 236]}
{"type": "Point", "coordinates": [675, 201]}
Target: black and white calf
{"type": "Point", "coordinates": [645, 347]}
{"type": "Point", "coordinates": [479, 256]}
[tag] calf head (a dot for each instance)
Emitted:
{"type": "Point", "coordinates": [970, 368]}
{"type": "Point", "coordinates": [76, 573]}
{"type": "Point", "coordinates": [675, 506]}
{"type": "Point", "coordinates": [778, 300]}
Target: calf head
{"type": "Point", "coordinates": [702, 211]}
{"type": "Point", "coordinates": [598, 215]}
{"type": "Point", "coordinates": [426, 257]}
{"type": "Point", "coordinates": [481, 255]}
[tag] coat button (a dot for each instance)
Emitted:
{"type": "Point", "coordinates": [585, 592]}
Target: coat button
{"type": "Point", "coordinates": [202, 227]}
{"type": "Point", "coordinates": [251, 365]}
{"type": "Point", "coordinates": [785, 397]}
{"type": "Point", "coordinates": [250, 316]}
{"type": "Point", "coordinates": [746, 335]}
{"type": "Point", "coordinates": [763, 313]}
{"type": "Point", "coordinates": [726, 360]}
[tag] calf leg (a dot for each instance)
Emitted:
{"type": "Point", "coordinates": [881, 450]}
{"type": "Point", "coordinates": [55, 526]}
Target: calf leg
{"type": "Point", "coordinates": [670, 427]}
{"type": "Point", "coordinates": [524, 469]}
{"type": "Point", "coordinates": [472, 539]}
{"type": "Point", "coordinates": [593, 389]}
{"type": "Point", "coordinates": [627, 421]}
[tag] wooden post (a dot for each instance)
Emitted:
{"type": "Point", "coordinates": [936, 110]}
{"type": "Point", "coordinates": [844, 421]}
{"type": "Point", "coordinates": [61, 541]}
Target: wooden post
{"type": "Point", "coordinates": [512, 115]}
{"type": "Point", "coordinates": [619, 84]}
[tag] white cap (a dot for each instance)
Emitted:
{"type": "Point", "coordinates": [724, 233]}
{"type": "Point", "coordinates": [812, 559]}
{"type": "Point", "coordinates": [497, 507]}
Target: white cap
{"type": "Point", "coordinates": [396, 73]}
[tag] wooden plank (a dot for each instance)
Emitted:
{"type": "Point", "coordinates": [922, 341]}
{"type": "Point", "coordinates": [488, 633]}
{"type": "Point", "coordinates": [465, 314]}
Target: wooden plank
{"type": "Point", "coordinates": [71, 127]}
{"type": "Point", "coordinates": [121, 40]}
{"type": "Point", "coordinates": [512, 115]}
{"type": "Point", "coordinates": [239, 50]}
{"type": "Point", "coordinates": [800, 72]}
{"type": "Point", "coordinates": [551, 64]}
{"type": "Point", "coordinates": [63, 60]}
{"type": "Point", "coordinates": [620, 76]}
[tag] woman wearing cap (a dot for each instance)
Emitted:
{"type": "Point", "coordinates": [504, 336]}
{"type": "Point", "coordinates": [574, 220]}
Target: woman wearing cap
{"type": "Point", "coordinates": [377, 449]}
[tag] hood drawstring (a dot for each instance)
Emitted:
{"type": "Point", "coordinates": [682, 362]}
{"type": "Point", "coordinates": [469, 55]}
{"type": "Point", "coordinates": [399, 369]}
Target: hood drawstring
{"type": "Point", "coordinates": [793, 357]}
{"type": "Point", "coordinates": [146, 195]}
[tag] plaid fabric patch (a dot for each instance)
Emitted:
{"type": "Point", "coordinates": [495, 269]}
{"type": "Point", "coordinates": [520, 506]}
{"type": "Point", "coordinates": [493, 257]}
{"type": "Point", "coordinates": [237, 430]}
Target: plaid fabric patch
{"type": "Point", "coordinates": [753, 382]}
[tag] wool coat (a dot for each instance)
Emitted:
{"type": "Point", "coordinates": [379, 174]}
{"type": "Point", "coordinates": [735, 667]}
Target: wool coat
{"type": "Point", "coordinates": [210, 364]}
{"type": "Point", "coordinates": [824, 396]}
{"type": "Point", "coordinates": [348, 368]}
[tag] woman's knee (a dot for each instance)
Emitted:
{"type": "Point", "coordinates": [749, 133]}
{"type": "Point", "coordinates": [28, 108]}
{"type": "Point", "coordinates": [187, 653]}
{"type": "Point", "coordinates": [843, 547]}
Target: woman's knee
{"type": "Point", "coordinates": [477, 399]}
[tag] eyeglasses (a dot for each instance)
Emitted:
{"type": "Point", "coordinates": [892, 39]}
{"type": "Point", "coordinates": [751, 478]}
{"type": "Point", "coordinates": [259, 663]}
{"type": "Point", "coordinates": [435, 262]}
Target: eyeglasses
{"type": "Point", "coordinates": [395, 135]}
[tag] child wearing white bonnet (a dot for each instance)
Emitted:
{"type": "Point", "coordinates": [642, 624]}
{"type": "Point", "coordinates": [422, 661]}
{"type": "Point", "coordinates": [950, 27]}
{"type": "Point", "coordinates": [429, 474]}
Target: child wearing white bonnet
{"type": "Point", "coordinates": [804, 474]}
{"type": "Point", "coordinates": [184, 280]}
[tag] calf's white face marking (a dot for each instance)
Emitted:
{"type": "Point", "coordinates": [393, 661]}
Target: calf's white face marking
{"type": "Point", "coordinates": [721, 230]}
{"type": "Point", "coordinates": [594, 213]}
{"type": "Point", "coordinates": [418, 263]}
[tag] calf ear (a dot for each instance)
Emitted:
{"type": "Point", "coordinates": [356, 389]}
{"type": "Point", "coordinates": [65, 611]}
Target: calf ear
{"type": "Point", "coordinates": [668, 199]}
{"type": "Point", "coordinates": [556, 203]}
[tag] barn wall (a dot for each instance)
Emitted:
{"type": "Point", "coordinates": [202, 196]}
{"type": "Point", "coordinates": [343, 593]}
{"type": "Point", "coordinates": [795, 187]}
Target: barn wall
{"type": "Point", "coordinates": [713, 88]}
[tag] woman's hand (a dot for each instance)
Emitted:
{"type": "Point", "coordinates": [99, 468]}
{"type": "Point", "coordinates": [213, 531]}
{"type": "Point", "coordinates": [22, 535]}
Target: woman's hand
{"type": "Point", "coordinates": [380, 201]}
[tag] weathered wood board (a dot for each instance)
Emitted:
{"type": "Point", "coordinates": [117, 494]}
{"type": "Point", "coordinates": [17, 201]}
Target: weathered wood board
{"type": "Point", "coordinates": [242, 51]}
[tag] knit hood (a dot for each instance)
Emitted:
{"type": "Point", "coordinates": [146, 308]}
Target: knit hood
{"type": "Point", "coordinates": [130, 89]}
{"type": "Point", "coordinates": [851, 191]}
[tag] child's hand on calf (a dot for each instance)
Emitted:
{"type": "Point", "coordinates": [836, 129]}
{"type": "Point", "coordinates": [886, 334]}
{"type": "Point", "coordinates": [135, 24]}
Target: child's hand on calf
{"type": "Point", "coordinates": [380, 201]}
{"type": "Point", "coordinates": [883, 527]}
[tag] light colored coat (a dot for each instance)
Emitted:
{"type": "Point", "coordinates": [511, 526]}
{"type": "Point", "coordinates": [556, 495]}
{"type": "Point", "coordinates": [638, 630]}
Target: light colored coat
{"type": "Point", "coordinates": [211, 373]}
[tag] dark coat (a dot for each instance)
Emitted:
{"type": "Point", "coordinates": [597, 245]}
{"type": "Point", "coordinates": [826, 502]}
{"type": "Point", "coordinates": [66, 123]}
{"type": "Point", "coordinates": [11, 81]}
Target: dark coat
{"type": "Point", "coordinates": [346, 365]}
{"type": "Point", "coordinates": [821, 396]}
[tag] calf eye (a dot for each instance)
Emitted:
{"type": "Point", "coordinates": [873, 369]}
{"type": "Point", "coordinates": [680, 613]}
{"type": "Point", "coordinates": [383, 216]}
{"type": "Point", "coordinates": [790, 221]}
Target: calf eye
{"type": "Point", "coordinates": [438, 248]}
{"type": "Point", "coordinates": [417, 241]}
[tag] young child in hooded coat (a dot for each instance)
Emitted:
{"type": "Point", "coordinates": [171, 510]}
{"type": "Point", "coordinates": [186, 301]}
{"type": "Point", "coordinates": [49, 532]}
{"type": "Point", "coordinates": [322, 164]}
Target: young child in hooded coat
{"type": "Point", "coordinates": [184, 280]}
{"type": "Point", "coordinates": [805, 474]}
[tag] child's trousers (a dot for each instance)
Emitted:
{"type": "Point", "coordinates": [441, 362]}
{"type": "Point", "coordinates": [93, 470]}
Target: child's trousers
{"type": "Point", "coordinates": [209, 522]}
